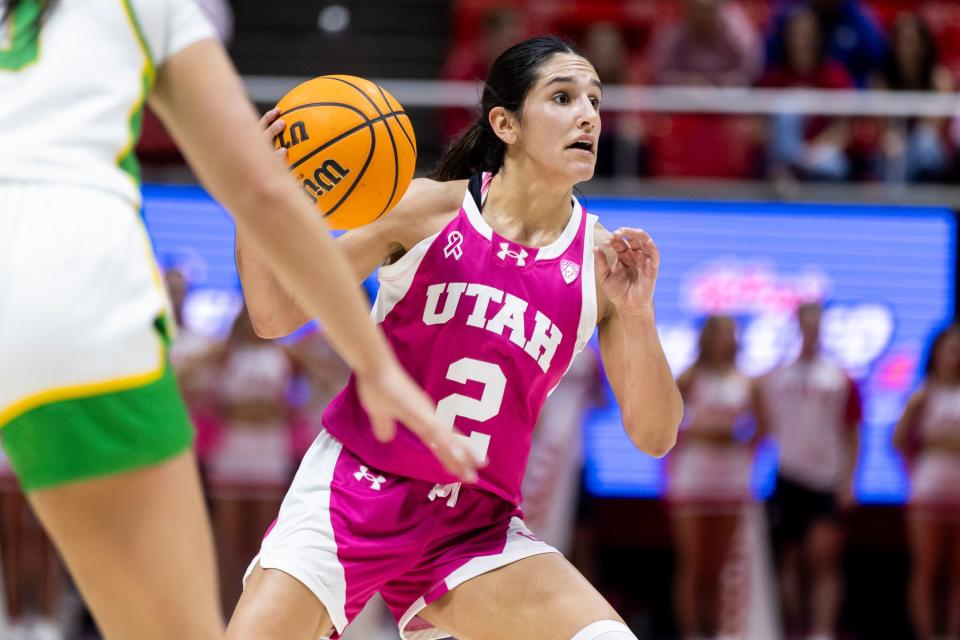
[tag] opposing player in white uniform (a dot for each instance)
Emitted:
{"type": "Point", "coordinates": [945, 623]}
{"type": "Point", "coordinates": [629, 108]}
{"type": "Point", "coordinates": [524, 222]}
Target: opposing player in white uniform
{"type": "Point", "coordinates": [928, 434]}
{"type": "Point", "coordinates": [90, 417]}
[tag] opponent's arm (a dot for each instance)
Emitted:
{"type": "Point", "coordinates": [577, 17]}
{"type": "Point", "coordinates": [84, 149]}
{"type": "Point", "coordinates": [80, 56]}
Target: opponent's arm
{"type": "Point", "coordinates": [633, 358]}
{"type": "Point", "coordinates": [200, 98]}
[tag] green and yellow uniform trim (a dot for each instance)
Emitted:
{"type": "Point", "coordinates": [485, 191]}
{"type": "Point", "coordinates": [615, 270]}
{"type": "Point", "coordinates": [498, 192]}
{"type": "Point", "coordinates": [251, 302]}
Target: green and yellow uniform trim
{"type": "Point", "coordinates": [127, 158]}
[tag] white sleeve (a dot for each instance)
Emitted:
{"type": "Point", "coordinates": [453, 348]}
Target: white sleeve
{"type": "Point", "coordinates": [170, 26]}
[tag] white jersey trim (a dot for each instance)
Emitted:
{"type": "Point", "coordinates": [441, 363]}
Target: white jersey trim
{"type": "Point", "coordinates": [588, 297]}
{"type": "Point", "coordinates": [397, 278]}
{"type": "Point", "coordinates": [305, 525]}
{"type": "Point", "coordinates": [588, 309]}
{"type": "Point", "coordinates": [475, 218]}
{"type": "Point", "coordinates": [556, 248]}
{"type": "Point", "coordinates": [553, 250]}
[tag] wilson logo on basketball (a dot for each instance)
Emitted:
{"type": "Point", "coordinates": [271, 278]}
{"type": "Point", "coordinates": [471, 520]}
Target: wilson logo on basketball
{"type": "Point", "coordinates": [327, 176]}
{"type": "Point", "coordinates": [298, 134]}
{"type": "Point", "coordinates": [361, 125]}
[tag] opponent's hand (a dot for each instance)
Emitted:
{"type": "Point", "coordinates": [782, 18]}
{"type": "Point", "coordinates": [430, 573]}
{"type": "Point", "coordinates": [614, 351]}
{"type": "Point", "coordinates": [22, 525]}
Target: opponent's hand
{"type": "Point", "coordinates": [389, 396]}
{"type": "Point", "coordinates": [272, 126]}
{"type": "Point", "coordinates": [630, 283]}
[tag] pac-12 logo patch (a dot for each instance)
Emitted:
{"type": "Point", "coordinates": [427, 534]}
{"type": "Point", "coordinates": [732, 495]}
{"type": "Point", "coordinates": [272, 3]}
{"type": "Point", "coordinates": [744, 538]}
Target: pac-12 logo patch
{"type": "Point", "coordinates": [569, 270]}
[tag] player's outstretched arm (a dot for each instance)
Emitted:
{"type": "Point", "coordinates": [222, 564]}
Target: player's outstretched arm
{"type": "Point", "coordinates": [627, 264]}
{"type": "Point", "coordinates": [201, 99]}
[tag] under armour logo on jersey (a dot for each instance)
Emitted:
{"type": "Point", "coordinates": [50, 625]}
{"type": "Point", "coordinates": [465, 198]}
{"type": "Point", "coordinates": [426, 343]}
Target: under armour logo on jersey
{"type": "Point", "coordinates": [569, 270]}
{"type": "Point", "coordinates": [364, 474]}
{"type": "Point", "coordinates": [454, 240]}
{"type": "Point", "coordinates": [519, 256]}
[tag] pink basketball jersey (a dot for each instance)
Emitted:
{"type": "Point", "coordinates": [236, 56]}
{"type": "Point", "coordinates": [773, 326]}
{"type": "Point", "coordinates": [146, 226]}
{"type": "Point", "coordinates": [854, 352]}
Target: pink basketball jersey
{"type": "Point", "coordinates": [487, 327]}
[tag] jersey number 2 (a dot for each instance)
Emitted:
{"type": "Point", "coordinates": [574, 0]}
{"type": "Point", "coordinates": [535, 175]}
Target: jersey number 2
{"type": "Point", "coordinates": [20, 36]}
{"type": "Point", "coordinates": [494, 385]}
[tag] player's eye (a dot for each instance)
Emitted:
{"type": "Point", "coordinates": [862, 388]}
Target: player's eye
{"type": "Point", "coordinates": [595, 102]}
{"type": "Point", "coordinates": [561, 98]}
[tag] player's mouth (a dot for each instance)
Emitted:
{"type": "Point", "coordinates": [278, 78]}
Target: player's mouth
{"type": "Point", "coordinates": [584, 144]}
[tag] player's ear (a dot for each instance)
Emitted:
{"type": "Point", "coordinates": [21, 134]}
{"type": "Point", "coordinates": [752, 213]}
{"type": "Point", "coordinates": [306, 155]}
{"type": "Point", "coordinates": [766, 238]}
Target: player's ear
{"type": "Point", "coordinates": [504, 124]}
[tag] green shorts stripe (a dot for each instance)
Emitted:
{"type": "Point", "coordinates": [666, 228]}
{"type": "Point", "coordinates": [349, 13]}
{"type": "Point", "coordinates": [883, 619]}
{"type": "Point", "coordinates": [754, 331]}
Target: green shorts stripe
{"type": "Point", "coordinates": [100, 435]}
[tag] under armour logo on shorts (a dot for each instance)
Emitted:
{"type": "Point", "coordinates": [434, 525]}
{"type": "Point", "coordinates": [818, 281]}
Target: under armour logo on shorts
{"type": "Point", "coordinates": [454, 240]}
{"type": "Point", "coordinates": [519, 256]}
{"type": "Point", "coordinates": [375, 481]}
{"type": "Point", "coordinates": [569, 270]}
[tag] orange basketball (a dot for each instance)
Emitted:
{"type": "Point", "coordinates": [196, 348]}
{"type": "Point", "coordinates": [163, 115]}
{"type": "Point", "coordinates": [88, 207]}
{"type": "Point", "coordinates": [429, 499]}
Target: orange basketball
{"type": "Point", "coordinates": [351, 146]}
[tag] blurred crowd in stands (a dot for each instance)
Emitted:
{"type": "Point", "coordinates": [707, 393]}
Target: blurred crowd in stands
{"type": "Point", "coordinates": [896, 45]}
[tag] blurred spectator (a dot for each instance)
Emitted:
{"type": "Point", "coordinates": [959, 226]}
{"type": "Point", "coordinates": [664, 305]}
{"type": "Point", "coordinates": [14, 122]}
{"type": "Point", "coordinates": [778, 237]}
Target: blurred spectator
{"type": "Point", "coordinates": [33, 579]}
{"type": "Point", "coordinates": [622, 148]}
{"type": "Point", "coordinates": [324, 374]}
{"type": "Point", "coordinates": [194, 359]}
{"type": "Point", "coordinates": [501, 27]}
{"type": "Point", "coordinates": [709, 475]}
{"type": "Point", "coordinates": [252, 465]}
{"type": "Point", "coordinates": [814, 414]}
{"type": "Point", "coordinates": [928, 435]}
{"type": "Point", "coordinates": [221, 17]}
{"type": "Point", "coordinates": [914, 149]}
{"type": "Point", "coordinates": [806, 146]}
{"type": "Point", "coordinates": [551, 484]}
{"type": "Point", "coordinates": [713, 44]}
{"type": "Point", "coordinates": [851, 35]}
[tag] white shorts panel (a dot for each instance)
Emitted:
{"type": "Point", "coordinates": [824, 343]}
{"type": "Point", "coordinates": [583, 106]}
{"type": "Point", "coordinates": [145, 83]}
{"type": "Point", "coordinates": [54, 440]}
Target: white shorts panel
{"type": "Point", "coordinates": [79, 292]}
{"type": "Point", "coordinates": [302, 542]}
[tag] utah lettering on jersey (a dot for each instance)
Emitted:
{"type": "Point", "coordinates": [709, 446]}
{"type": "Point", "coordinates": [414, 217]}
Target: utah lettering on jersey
{"type": "Point", "coordinates": [512, 316]}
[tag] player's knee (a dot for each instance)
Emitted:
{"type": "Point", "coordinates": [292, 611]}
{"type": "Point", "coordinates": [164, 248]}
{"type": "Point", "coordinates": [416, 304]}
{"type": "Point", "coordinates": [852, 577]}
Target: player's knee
{"type": "Point", "coordinates": [605, 630]}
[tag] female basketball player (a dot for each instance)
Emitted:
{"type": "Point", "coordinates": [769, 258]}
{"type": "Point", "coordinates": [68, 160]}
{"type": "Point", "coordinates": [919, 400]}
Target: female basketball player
{"type": "Point", "coordinates": [928, 434]}
{"type": "Point", "coordinates": [709, 481]}
{"type": "Point", "coordinates": [488, 289]}
{"type": "Point", "coordinates": [90, 416]}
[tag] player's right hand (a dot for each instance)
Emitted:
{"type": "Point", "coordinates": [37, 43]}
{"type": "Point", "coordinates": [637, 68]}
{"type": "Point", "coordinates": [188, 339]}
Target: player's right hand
{"type": "Point", "coordinates": [273, 126]}
{"type": "Point", "coordinates": [389, 396]}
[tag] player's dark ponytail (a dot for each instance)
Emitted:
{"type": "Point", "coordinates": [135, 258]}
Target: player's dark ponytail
{"type": "Point", "coordinates": [9, 7]}
{"type": "Point", "coordinates": [510, 79]}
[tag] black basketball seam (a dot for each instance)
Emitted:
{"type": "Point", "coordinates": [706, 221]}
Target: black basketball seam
{"type": "Point", "coordinates": [399, 123]}
{"type": "Point", "coordinates": [363, 170]}
{"type": "Point", "coordinates": [393, 143]}
{"type": "Point", "coordinates": [369, 124]}
{"type": "Point", "coordinates": [325, 104]}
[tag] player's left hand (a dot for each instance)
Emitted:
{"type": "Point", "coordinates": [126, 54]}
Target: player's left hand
{"type": "Point", "coordinates": [630, 282]}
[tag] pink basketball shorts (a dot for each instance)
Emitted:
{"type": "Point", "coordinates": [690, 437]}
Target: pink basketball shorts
{"type": "Point", "coordinates": [347, 531]}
